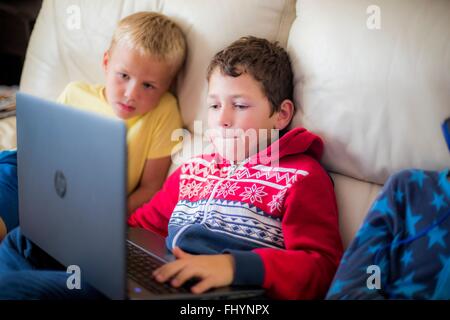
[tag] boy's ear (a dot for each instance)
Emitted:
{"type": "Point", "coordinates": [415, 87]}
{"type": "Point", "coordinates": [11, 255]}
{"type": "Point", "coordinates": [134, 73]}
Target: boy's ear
{"type": "Point", "coordinates": [284, 116]}
{"type": "Point", "coordinates": [105, 60]}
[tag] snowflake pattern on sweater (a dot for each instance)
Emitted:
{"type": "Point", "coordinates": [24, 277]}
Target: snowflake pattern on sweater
{"type": "Point", "coordinates": [242, 201]}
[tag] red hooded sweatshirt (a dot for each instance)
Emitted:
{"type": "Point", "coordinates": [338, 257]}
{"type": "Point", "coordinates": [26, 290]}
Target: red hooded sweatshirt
{"type": "Point", "coordinates": [276, 213]}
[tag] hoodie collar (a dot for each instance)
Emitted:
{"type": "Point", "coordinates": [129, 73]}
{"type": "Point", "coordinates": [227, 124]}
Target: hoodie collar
{"type": "Point", "coordinates": [295, 141]}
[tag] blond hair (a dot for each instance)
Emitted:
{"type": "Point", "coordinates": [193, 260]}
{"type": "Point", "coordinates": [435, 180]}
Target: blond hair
{"type": "Point", "coordinates": [154, 34]}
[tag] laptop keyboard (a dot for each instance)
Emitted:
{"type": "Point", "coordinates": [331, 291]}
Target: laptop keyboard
{"type": "Point", "coordinates": [140, 267]}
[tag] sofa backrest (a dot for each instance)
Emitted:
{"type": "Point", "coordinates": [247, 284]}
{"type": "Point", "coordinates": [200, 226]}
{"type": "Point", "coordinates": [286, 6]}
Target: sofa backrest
{"type": "Point", "coordinates": [376, 96]}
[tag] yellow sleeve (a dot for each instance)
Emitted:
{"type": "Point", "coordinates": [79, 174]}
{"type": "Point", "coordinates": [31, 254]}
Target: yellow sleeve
{"type": "Point", "coordinates": [73, 88]}
{"type": "Point", "coordinates": [165, 122]}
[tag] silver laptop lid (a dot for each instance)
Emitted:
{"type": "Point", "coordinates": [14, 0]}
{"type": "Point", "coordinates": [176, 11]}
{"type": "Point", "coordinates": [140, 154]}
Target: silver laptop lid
{"type": "Point", "coordinates": [72, 188]}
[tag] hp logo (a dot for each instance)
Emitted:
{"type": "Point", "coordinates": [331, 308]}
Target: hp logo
{"type": "Point", "coordinates": [60, 184]}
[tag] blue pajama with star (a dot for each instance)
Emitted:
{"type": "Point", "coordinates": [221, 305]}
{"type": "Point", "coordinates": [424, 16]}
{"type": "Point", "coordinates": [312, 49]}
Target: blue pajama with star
{"type": "Point", "coordinates": [406, 235]}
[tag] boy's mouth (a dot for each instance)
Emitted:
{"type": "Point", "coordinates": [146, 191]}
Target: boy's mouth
{"type": "Point", "coordinates": [125, 107]}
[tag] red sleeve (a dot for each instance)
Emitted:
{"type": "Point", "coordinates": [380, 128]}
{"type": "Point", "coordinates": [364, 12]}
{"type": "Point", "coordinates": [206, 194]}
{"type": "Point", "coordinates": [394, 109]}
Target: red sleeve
{"type": "Point", "coordinates": [155, 214]}
{"type": "Point", "coordinates": [305, 269]}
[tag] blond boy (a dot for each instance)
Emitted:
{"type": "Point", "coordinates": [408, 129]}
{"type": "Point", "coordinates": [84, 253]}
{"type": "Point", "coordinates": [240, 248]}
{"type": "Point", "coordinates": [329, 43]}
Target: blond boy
{"type": "Point", "coordinates": [145, 54]}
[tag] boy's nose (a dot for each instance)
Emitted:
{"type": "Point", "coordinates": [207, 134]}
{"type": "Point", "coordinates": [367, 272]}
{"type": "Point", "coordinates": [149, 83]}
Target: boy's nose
{"type": "Point", "coordinates": [131, 91]}
{"type": "Point", "coordinates": [225, 117]}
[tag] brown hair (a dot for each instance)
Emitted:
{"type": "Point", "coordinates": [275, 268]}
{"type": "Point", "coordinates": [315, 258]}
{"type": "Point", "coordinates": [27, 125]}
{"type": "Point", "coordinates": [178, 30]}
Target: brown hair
{"type": "Point", "coordinates": [267, 62]}
{"type": "Point", "coordinates": [152, 33]}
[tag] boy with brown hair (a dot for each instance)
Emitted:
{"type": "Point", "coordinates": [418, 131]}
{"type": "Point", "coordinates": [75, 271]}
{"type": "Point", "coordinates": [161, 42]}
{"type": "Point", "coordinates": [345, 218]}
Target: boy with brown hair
{"type": "Point", "coordinates": [247, 215]}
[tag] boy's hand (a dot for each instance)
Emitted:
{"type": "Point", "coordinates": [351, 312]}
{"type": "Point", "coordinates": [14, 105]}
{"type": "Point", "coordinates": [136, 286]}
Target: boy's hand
{"type": "Point", "coordinates": [212, 270]}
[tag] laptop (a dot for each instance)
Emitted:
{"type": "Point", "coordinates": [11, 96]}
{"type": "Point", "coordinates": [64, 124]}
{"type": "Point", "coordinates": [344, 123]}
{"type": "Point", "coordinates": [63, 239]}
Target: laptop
{"type": "Point", "coordinates": [72, 170]}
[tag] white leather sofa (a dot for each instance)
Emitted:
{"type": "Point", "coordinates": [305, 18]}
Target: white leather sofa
{"type": "Point", "coordinates": [372, 81]}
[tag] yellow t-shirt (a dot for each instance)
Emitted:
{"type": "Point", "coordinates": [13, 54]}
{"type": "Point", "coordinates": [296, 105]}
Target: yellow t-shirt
{"type": "Point", "coordinates": [148, 136]}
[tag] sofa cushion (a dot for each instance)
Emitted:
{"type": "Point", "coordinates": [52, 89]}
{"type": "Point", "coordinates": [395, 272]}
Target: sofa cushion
{"type": "Point", "coordinates": [376, 96]}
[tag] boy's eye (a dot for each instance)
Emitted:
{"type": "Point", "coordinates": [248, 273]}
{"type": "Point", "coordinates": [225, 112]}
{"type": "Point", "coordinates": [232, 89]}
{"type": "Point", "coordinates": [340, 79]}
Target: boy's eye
{"type": "Point", "coordinates": [148, 86]}
{"type": "Point", "coordinates": [123, 76]}
{"type": "Point", "coordinates": [241, 106]}
{"type": "Point", "coordinates": [214, 106]}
